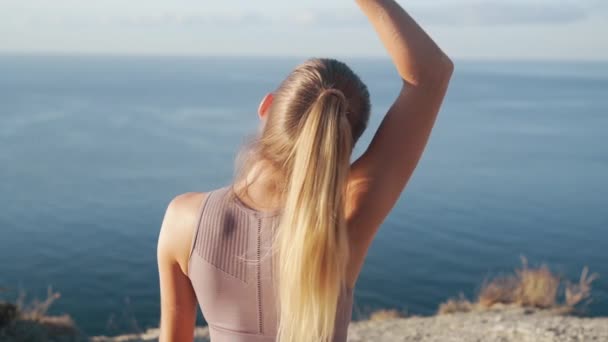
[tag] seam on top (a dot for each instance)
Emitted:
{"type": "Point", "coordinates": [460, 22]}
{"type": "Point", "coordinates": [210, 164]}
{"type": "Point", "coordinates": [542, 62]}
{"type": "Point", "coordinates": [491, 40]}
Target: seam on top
{"type": "Point", "coordinates": [259, 278]}
{"type": "Point", "coordinates": [217, 268]}
{"type": "Point", "coordinates": [237, 332]}
{"type": "Point", "coordinates": [201, 209]}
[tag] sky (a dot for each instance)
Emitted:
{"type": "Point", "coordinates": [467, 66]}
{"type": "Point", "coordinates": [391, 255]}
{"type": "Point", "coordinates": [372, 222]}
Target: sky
{"type": "Point", "coordinates": [466, 29]}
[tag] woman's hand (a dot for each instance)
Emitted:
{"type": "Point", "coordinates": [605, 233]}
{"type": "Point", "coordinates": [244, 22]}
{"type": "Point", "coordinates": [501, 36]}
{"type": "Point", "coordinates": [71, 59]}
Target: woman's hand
{"type": "Point", "coordinates": [416, 56]}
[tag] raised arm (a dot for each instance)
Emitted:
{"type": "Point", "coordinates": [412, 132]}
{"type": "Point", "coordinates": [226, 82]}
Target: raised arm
{"type": "Point", "coordinates": [379, 176]}
{"type": "Point", "coordinates": [415, 55]}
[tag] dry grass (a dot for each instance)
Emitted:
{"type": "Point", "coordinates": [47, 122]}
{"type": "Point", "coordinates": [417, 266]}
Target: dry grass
{"type": "Point", "coordinates": [33, 323]}
{"type": "Point", "coordinates": [528, 287]}
{"type": "Point", "coordinates": [498, 290]}
{"type": "Point", "coordinates": [581, 292]}
{"type": "Point", "coordinates": [536, 287]}
{"type": "Point", "coordinates": [37, 309]}
{"type": "Point", "coordinates": [383, 315]}
{"type": "Point", "coordinates": [454, 305]}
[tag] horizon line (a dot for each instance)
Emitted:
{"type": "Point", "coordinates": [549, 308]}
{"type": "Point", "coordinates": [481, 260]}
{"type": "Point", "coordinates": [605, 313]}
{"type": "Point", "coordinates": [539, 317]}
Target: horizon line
{"type": "Point", "coordinates": [55, 54]}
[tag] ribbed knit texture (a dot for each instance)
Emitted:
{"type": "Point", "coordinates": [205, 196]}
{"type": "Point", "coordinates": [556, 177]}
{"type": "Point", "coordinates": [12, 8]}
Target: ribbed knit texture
{"type": "Point", "coordinates": [231, 271]}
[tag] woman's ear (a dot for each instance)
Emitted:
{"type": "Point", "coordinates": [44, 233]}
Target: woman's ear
{"type": "Point", "coordinates": [264, 105]}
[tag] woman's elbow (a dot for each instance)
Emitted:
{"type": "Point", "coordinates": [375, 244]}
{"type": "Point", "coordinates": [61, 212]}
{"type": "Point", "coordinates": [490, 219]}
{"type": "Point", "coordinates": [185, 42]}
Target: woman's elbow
{"type": "Point", "coordinates": [448, 66]}
{"type": "Point", "coordinates": [440, 71]}
{"type": "Point", "coordinates": [435, 71]}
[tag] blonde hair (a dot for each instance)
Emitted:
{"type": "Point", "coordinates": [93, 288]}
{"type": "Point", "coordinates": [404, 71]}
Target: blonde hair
{"type": "Point", "coordinates": [318, 113]}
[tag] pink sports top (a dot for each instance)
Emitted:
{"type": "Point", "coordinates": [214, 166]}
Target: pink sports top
{"type": "Point", "coordinates": [231, 271]}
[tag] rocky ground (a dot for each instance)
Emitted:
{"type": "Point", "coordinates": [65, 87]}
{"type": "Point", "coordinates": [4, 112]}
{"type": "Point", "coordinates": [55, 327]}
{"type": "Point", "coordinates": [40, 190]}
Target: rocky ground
{"type": "Point", "coordinates": [510, 325]}
{"type": "Point", "coordinates": [501, 325]}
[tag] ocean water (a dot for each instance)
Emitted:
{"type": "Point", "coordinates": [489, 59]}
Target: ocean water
{"type": "Point", "coordinates": [92, 149]}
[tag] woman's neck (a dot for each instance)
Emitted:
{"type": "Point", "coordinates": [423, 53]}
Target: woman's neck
{"type": "Point", "coordinates": [260, 188]}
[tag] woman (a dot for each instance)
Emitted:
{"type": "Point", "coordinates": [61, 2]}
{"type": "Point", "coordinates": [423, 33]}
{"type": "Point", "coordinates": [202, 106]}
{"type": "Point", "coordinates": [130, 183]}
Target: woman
{"type": "Point", "coordinates": [276, 254]}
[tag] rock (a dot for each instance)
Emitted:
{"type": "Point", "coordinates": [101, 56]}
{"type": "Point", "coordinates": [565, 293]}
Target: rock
{"type": "Point", "coordinates": [8, 313]}
{"type": "Point", "coordinates": [504, 325]}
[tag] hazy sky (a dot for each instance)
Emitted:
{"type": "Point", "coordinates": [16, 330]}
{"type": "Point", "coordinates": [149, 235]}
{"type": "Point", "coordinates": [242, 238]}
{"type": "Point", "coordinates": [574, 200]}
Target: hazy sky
{"type": "Point", "coordinates": [505, 29]}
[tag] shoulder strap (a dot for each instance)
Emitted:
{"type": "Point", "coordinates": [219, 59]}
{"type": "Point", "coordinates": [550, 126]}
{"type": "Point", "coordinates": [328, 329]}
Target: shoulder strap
{"type": "Point", "coordinates": [197, 228]}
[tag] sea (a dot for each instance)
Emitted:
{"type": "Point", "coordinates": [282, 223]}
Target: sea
{"type": "Point", "coordinates": [93, 148]}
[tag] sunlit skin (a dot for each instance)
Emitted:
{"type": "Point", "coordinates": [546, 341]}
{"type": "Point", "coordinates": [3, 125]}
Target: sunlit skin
{"type": "Point", "coordinates": [376, 179]}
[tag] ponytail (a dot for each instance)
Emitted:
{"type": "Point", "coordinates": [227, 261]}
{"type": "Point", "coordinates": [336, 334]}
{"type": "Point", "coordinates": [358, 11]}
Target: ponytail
{"type": "Point", "coordinates": [312, 240]}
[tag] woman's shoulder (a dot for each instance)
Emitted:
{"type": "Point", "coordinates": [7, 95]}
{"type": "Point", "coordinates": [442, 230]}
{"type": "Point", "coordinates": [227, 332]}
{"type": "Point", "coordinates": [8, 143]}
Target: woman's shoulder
{"type": "Point", "coordinates": [185, 204]}
{"type": "Point", "coordinates": [178, 227]}
{"type": "Point", "coordinates": [183, 210]}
